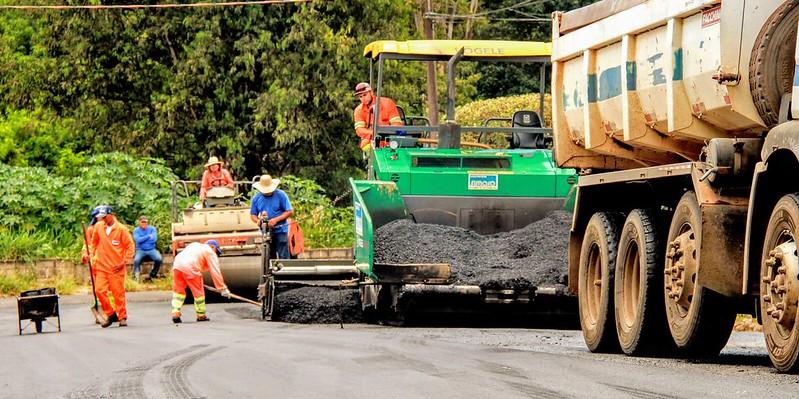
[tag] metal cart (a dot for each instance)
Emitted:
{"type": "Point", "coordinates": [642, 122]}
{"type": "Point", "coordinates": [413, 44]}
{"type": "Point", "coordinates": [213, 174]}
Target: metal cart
{"type": "Point", "coordinates": [37, 306]}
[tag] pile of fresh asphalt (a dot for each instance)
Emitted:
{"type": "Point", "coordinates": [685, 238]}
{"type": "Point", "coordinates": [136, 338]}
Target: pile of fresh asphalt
{"type": "Point", "coordinates": [533, 256]}
{"type": "Point", "coordinates": [318, 305]}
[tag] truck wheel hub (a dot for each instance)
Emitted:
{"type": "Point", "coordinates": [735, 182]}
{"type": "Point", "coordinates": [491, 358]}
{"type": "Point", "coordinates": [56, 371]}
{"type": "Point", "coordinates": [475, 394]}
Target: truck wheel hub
{"type": "Point", "coordinates": [781, 283]}
{"type": "Point", "coordinates": [680, 269]}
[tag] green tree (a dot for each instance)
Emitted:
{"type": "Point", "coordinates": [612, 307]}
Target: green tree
{"type": "Point", "coordinates": [268, 88]}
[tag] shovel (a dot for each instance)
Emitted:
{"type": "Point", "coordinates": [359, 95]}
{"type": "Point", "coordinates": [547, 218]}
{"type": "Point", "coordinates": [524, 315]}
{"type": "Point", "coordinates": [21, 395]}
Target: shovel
{"type": "Point", "coordinates": [234, 296]}
{"type": "Point", "coordinates": [98, 317]}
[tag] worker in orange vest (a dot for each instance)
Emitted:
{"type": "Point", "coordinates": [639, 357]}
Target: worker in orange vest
{"type": "Point", "coordinates": [113, 248]}
{"type": "Point", "coordinates": [364, 114]}
{"type": "Point", "coordinates": [187, 270]}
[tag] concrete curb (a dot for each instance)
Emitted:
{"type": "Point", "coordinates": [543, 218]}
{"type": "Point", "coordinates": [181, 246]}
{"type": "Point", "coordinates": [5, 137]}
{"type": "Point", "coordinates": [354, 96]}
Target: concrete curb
{"type": "Point", "coordinates": [132, 297]}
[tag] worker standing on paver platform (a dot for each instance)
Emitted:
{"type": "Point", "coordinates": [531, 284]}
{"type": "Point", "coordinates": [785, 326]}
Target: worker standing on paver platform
{"type": "Point", "coordinates": [364, 114]}
{"type": "Point", "coordinates": [187, 270]}
{"type": "Point", "coordinates": [113, 248]}
{"type": "Point", "coordinates": [215, 176]}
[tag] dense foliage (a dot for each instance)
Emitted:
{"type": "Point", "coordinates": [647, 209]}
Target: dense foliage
{"type": "Point", "coordinates": [264, 87]}
{"type": "Point", "coordinates": [108, 106]}
{"type": "Point", "coordinates": [41, 210]}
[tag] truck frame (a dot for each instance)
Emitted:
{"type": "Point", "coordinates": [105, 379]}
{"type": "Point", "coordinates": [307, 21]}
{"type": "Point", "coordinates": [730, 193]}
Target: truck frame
{"type": "Point", "coordinates": [680, 116]}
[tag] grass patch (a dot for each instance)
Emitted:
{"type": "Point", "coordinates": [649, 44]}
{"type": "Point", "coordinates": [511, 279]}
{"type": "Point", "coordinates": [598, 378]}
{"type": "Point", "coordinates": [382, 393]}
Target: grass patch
{"type": "Point", "coordinates": [14, 284]}
{"type": "Point", "coordinates": [67, 285]}
{"type": "Point", "coordinates": [159, 284]}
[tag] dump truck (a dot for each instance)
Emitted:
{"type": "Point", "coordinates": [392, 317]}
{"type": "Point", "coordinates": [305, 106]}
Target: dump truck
{"type": "Point", "coordinates": [680, 117]}
{"type": "Point", "coordinates": [430, 175]}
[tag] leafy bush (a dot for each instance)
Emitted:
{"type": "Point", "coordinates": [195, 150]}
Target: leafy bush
{"type": "Point", "coordinates": [41, 211]}
{"type": "Point", "coordinates": [44, 243]}
{"type": "Point", "coordinates": [474, 113]}
{"type": "Point", "coordinates": [323, 223]}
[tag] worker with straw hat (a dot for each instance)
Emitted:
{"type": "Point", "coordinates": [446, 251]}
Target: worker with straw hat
{"type": "Point", "coordinates": [274, 204]}
{"type": "Point", "coordinates": [215, 176]}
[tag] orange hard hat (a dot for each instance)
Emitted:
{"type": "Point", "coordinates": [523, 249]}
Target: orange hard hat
{"type": "Point", "coordinates": [361, 88]}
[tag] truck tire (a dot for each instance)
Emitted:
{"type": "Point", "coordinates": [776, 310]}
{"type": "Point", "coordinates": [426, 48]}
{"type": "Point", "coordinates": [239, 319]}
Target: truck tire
{"type": "Point", "coordinates": [640, 315]}
{"type": "Point", "coordinates": [595, 281]}
{"type": "Point", "coordinates": [699, 319]}
{"type": "Point", "coordinates": [772, 65]}
{"type": "Point", "coordinates": [779, 285]}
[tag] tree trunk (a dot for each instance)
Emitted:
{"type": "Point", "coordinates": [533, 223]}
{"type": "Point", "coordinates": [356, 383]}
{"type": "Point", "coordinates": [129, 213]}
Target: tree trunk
{"type": "Point", "coordinates": [432, 91]}
{"type": "Point", "coordinates": [472, 10]}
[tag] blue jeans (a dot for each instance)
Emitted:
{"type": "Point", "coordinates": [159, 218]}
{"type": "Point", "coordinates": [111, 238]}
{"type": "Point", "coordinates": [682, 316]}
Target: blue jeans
{"type": "Point", "coordinates": [280, 246]}
{"type": "Point", "coordinates": [153, 255]}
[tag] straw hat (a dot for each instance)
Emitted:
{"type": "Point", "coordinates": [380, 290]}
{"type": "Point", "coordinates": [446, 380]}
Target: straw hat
{"type": "Point", "coordinates": [266, 184]}
{"type": "Point", "coordinates": [213, 161]}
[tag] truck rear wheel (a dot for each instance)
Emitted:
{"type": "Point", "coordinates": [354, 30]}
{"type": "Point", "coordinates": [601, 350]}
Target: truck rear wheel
{"type": "Point", "coordinates": [779, 285]}
{"type": "Point", "coordinates": [595, 282]}
{"type": "Point", "coordinates": [700, 320]}
{"type": "Point", "coordinates": [640, 316]}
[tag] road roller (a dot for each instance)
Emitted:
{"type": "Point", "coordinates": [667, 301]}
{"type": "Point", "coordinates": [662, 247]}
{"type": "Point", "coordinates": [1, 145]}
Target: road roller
{"type": "Point", "coordinates": [225, 217]}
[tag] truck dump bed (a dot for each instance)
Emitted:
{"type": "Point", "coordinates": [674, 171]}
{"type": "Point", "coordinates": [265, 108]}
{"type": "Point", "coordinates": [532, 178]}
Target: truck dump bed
{"type": "Point", "coordinates": [641, 83]}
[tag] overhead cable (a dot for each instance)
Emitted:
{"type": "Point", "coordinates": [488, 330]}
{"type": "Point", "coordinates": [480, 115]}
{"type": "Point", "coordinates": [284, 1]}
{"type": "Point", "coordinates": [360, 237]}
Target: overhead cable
{"type": "Point", "coordinates": [150, 6]}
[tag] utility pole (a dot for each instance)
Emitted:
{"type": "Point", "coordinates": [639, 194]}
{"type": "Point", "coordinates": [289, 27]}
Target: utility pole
{"type": "Point", "coordinates": [432, 90]}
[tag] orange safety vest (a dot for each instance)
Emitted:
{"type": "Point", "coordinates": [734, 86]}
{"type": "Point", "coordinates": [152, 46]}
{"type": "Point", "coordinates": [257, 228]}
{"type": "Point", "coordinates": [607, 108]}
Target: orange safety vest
{"type": "Point", "coordinates": [364, 117]}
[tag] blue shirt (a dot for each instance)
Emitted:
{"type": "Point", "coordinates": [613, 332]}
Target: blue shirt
{"type": "Point", "coordinates": [145, 239]}
{"type": "Point", "coordinates": [274, 205]}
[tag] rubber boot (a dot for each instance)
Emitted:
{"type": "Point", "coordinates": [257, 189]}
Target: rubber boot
{"type": "Point", "coordinates": [110, 320]}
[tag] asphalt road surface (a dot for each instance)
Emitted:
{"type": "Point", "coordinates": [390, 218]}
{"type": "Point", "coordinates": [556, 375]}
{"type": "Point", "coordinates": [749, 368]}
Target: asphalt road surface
{"type": "Point", "coordinates": [235, 356]}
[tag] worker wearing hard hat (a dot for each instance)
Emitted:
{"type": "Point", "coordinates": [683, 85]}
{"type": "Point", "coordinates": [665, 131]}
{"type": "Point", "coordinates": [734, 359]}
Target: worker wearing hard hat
{"type": "Point", "coordinates": [113, 248]}
{"type": "Point", "coordinates": [187, 270]}
{"type": "Point", "coordinates": [215, 176]}
{"type": "Point", "coordinates": [89, 230]}
{"type": "Point", "coordinates": [84, 258]}
{"type": "Point", "coordinates": [273, 204]}
{"type": "Point", "coordinates": [364, 114]}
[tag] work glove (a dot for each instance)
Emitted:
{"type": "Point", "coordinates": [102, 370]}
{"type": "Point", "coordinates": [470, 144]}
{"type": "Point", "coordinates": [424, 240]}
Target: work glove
{"type": "Point", "coordinates": [225, 293]}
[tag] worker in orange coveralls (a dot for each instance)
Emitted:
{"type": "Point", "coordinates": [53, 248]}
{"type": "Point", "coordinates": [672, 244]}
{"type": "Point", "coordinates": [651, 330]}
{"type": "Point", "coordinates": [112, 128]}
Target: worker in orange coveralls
{"type": "Point", "coordinates": [364, 114]}
{"type": "Point", "coordinates": [85, 254]}
{"type": "Point", "coordinates": [113, 248]}
{"type": "Point", "coordinates": [187, 270]}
